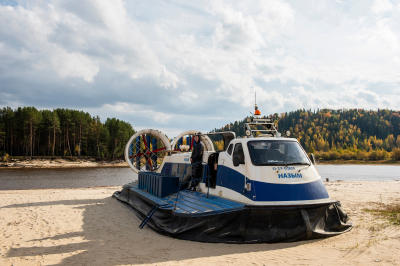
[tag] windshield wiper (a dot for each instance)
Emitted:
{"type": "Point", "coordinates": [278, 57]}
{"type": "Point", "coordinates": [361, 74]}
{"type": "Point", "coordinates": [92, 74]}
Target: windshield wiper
{"type": "Point", "coordinates": [297, 164]}
{"type": "Point", "coordinates": [306, 167]}
{"type": "Point", "coordinates": [276, 164]}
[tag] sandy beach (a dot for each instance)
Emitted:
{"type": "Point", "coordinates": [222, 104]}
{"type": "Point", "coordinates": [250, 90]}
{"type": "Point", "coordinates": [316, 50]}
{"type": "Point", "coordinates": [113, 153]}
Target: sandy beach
{"type": "Point", "coordinates": [88, 227]}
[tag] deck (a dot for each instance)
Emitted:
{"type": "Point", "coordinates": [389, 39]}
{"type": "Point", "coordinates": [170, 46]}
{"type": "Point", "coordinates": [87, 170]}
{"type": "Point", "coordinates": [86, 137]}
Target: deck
{"type": "Point", "coordinates": [195, 204]}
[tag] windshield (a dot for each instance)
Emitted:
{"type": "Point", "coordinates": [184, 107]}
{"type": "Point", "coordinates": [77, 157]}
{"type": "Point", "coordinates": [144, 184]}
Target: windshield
{"type": "Point", "coordinates": [276, 152]}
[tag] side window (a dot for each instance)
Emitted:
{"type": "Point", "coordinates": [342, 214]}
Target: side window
{"type": "Point", "coordinates": [230, 148]}
{"type": "Point", "coordinates": [239, 151]}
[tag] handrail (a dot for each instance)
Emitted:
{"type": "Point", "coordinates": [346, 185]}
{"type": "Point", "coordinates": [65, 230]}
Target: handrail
{"type": "Point", "coordinates": [184, 173]}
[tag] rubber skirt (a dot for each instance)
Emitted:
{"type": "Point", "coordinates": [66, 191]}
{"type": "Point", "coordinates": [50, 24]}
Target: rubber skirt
{"type": "Point", "coordinates": [251, 224]}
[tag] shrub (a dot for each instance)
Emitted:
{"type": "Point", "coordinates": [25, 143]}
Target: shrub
{"type": "Point", "coordinates": [353, 155]}
{"type": "Point", "coordinates": [385, 155]}
{"type": "Point", "coordinates": [318, 155]}
{"type": "Point", "coordinates": [324, 155]}
{"type": "Point", "coordinates": [6, 157]}
{"type": "Point", "coordinates": [362, 155]}
{"type": "Point", "coordinates": [334, 155]}
{"type": "Point", "coordinates": [395, 154]}
{"type": "Point", "coordinates": [346, 156]}
{"type": "Point", "coordinates": [373, 155]}
{"type": "Point", "coordinates": [378, 155]}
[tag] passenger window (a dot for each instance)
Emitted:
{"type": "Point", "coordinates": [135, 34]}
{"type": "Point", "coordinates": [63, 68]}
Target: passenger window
{"type": "Point", "coordinates": [230, 148]}
{"type": "Point", "coordinates": [239, 151]}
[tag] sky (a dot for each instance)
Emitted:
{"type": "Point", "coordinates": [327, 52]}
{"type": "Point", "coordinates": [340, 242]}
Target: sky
{"type": "Point", "coordinates": [180, 65]}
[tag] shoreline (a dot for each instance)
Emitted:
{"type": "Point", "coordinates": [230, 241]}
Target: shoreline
{"type": "Point", "coordinates": [63, 167]}
{"type": "Point", "coordinates": [61, 163]}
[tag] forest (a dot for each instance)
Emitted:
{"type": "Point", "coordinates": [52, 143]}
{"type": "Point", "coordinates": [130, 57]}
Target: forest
{"type": "Point", "coordinates": [27, 131]}
{"type": "Point", "coordinates": [330, 134]}
{"type": "Point", "coordinates": [356, 134]}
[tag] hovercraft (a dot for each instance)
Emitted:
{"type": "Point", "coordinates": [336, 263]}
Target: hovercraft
{"type": "Point", "coordinates": [261, 189]}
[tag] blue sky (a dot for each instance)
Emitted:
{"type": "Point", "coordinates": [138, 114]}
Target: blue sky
{"type": "Point", "coordinates": [176, 65]}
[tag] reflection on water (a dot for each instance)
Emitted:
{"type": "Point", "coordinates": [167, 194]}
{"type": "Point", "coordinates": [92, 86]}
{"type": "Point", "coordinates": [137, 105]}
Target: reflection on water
{"type": "Point", "coordinates": [360, 172]}
{"type": "Point", "coordinates": [90, 177]}
{"type": "Point", "coordinates": [64, 178]}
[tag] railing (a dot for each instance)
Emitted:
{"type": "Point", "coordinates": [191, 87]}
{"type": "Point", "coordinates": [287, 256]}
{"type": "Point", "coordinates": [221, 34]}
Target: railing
{"type": "Point", "coordinates": [183, 176]}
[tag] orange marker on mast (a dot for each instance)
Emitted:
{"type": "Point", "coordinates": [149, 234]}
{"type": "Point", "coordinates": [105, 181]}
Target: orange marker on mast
{"type": "Point", "coordinates": [256, 111]}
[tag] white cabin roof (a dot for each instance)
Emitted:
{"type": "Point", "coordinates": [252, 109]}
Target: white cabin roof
{"type": "Point", "coordinates": [245, 140]}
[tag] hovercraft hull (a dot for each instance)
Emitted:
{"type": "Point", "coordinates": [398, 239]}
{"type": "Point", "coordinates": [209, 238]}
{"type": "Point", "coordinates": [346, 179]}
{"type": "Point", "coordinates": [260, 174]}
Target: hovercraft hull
{"type": "Point", "coordinates": [218, 220]}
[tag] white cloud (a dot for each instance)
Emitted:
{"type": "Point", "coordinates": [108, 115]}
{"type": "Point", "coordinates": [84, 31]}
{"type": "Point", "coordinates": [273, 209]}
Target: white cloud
{"type": "Point", "coordinates": [381, 6]}
{"type": "Point", "coordinates": [188, 96]}
{"type": "Point", "coordinates": [74, 65]}
{"type": "Point", "coordinates": [167, 79]}
{"type": "Point", "coordinates": [138, 111]}
{"type": "Point", "coordinates": [235, 30]}
{"type": "Point", "coordinates": [149, 63]}
{"type": "Point", "coordinates": [77, 44]}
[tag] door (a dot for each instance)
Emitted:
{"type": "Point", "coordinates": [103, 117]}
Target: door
{"type": "Point", "coordinates": [238, 151]}
{"type": "Point", "coordinates": [228, 175]}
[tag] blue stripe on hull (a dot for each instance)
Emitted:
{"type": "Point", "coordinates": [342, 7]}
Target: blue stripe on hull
{"type": "Point", "coordinates": [261, 191]}
{"type": "Point", "coordinates": [289, 192]}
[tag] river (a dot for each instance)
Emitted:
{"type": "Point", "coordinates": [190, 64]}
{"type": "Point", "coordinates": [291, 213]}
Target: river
{"type": "Point", "coordinates": [64, 178]}
{"type": "Point", "coordinates": [360, 172]}
{"type": "Point", "coordinates": [91, 177]}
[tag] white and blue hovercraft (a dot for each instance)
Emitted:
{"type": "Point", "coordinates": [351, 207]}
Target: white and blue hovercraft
{"type": "Point", "coordinates": [261, 189]}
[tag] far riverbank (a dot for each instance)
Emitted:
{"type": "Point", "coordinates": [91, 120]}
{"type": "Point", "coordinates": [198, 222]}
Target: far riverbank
{"type": "Point", "coordinates": [88, 162]}
{"type": "Point", "coordinates": [60, 162]}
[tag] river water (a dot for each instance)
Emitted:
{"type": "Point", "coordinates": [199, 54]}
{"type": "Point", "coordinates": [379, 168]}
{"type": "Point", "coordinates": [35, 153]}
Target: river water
{"type": "Point", "coordinates": [91, 177]}
{"type": "Point", "coordinates": [64, 178]}
{"type": "Point", "coordinates": [360, 172]}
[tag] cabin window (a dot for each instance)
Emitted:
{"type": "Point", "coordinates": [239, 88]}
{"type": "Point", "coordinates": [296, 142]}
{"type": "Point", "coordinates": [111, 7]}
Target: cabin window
{"type": "Point", "coordinates": [277, 152]}
{"type": "Point", "coordinates": [239, 151]}
{"type": "Point", "coordinates": [230, 148]}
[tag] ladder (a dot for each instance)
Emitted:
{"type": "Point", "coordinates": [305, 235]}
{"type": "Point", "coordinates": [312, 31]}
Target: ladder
{"type": "Point", "coordinates": [151, 212]}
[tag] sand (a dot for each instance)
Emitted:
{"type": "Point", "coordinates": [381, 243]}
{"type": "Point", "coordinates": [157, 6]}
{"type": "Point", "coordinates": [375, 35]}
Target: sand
{"type": "Point", "coordinates": [88, 227]}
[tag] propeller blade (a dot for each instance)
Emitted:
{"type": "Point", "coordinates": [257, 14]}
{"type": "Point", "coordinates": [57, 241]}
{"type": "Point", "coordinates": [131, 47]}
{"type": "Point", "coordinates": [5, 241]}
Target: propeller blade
{"type": "Point", "coordinates": [161, 149]}
{"type": "Point", "coordinates": [134, 156]}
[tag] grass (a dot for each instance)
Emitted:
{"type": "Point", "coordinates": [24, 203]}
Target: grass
{"type": "Point", "coordinates": [389, 211]}
{"type": "Point", "coordinates": [391, 215]}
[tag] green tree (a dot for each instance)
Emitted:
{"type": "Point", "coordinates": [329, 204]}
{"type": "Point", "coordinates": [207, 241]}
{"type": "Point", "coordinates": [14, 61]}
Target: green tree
{"type": "Point", "coordinates": [55, 122]}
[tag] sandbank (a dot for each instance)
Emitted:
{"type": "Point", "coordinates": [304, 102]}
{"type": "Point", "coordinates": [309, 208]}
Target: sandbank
{"type": "Point", "coordinates": [61, 163]}
{"type": "Point", "coordinates": [88, 227]}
